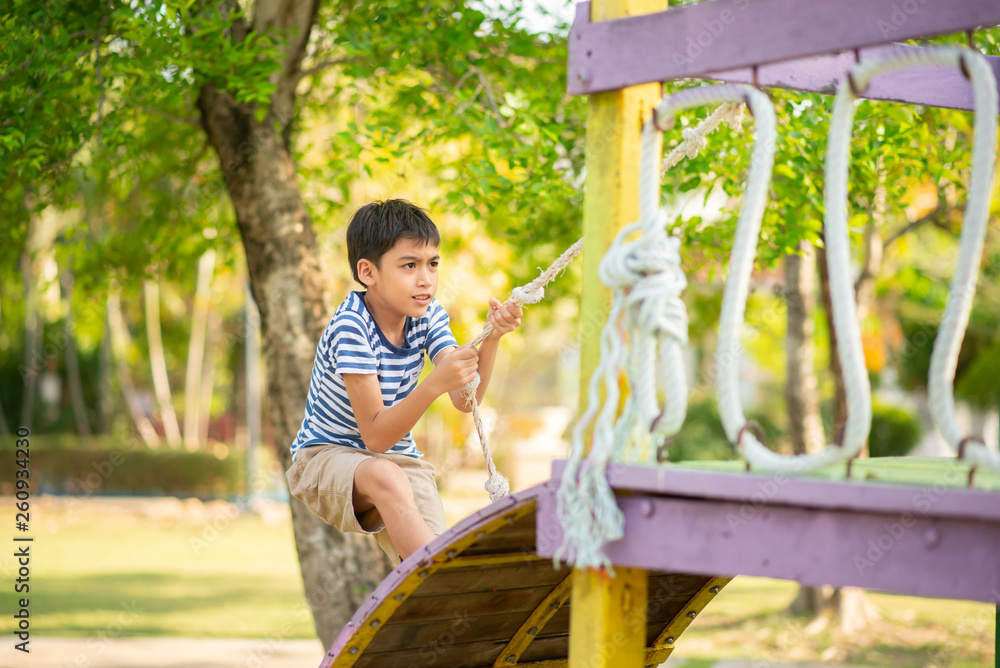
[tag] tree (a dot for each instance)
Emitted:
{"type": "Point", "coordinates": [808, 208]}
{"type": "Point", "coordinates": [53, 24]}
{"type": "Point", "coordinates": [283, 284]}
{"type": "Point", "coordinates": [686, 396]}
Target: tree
{"type": "Point", "coordinates": [446, 75]}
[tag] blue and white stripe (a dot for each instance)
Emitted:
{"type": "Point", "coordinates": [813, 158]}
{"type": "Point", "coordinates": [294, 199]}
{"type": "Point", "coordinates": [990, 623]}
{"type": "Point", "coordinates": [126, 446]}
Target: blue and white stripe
{"type": "Point", "coordinates": [353, 343]}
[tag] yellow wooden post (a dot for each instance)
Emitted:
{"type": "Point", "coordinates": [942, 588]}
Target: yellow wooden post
{"type": "Point", "coordinates": [608, 618]}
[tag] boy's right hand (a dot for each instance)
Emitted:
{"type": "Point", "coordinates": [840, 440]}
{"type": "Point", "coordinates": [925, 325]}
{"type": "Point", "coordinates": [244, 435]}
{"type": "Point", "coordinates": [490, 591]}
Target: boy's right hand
{"type": "Point", "coordinates": [455, 367]}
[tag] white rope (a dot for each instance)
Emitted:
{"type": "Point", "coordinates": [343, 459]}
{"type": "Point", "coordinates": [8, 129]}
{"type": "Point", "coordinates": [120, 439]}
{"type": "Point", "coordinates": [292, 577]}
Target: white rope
{"type": "Point", "coordinates": [497, 485]}
{"type": "Point", "coordinates": [531, 293]}
{"type": "Point", "coordinates": [643, 268]}
{"type": "Point", "coordinates": [948, 343]}
{"type": "Point", "coordinates": [845, 323]}
{"type": "Point", "coordinates": [730, 113]}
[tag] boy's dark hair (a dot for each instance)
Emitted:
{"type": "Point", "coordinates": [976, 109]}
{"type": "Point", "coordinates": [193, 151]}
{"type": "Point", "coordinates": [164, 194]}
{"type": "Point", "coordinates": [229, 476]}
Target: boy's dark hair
{"type": "Point", "coordinates": [376, 227]}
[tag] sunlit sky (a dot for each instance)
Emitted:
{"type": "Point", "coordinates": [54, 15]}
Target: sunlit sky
{"type": "Point", "coordinates": [535, 11]}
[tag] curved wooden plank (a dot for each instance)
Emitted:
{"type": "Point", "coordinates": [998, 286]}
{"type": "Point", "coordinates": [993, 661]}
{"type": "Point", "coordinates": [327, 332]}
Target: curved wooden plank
{"type": "Point", "coordinates": [480, 596]}
{"type": "Point", "coordinates": [535, 623]}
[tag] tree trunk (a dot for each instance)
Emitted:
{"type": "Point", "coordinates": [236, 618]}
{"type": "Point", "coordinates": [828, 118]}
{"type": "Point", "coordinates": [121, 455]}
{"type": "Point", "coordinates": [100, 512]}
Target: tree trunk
{"type": "Point", "coordinates": [208, 375]}
{"type": "Point", "coordinates": [158, 362]}
{"type": "Point", "coordinates": [72, 361]}
{"type": "Point", "coordinates": [805, 425]}
{"type": "Point", "coordinates": [120, 341]}
{"type": "Point", "coordinates": [289, 287]}
{"type": "Point", "coordinates": [104, 381]}
{"type": "Point", "coordinates": [4, 430]}
{"type": "Point", "coordinates": [840, 393]}
{"type": "Point", "coordinates": [196, 351]}
{"type": "Point", "coordinates": [32, 339]}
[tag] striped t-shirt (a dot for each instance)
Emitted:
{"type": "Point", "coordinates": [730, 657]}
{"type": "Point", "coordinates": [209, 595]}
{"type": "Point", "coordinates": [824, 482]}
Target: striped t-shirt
{"type": "Point", "coordinates": [353, 343]}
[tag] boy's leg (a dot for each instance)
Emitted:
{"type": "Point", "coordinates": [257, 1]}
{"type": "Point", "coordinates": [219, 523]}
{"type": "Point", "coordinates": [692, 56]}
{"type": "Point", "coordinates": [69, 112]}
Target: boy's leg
{"type": "Point", "coordinates": [382, 484]}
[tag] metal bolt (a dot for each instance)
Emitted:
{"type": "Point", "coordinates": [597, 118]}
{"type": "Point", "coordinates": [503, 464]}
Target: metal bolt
{"type": "Point", "coordinates": [585, 76]}
{"type": "Point", "coordinates": [374, 624]}
{"type": "Point", "coordinates": [353, 650]}
{"type": "Point", "coordinates": [715, 589]}
{"type": "Point", "coordinates": [480, 535]}
{"type": "Point", "coordinates": [451, 554]}
{"type": "Point", "coordinates": [399, 597]}
{"type": "Point", "coordinates": [424, 574]}
{"type": "Point", "coordinates": [533, 631]}
{"type": "Point", "coordinates": [510, 519]}
{"type": "Point", "coordinates": [692, 614]}
{"type": "Point", "coordinates": [647, 508]}
{"type": "Point", "coordinates": [511, 658]}
{"type": "Point", "coordinates": [932, 536]}
{"type": "Point", "coordinates": [670, 640]}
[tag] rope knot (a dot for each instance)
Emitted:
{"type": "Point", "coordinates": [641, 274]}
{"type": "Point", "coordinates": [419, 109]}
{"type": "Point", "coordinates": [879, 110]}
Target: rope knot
{"type": "Point", "coordinates": [734, 116]}
{"type": "Point", "coordinates": [694, 142]}
{"type": "Point", "coordinates": [468, 391]}
{"type": "Point", "coordinates": [527, 294]}
{"type": "Point", "coordinates": [654, 305]}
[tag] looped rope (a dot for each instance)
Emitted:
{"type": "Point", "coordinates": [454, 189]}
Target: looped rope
{"type": "Point", "coordinates": [531, 293]}
{"type": "Point", "coordinates": [643, 268]}
{"type": "Point", "coordinates": [845, 322]}
{"type": "Point", "coordinates": [955, 320]}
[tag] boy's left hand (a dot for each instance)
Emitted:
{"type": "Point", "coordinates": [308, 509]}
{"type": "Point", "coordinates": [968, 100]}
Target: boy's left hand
{"type": "Point", "coordinates": [505, 318]}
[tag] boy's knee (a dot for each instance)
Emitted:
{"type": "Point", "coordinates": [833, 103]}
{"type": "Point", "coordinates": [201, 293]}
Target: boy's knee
{"type": "Point", "coordinates": [388, 481]}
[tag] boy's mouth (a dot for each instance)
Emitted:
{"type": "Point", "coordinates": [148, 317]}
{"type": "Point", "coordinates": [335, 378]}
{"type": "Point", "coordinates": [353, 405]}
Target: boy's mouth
{"type": "Point", "coordinates": [422, 299]}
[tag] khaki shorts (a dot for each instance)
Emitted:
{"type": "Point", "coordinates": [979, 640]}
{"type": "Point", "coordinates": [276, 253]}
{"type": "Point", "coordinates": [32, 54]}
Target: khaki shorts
{"type": "Point", "coordinates": [322, 478]}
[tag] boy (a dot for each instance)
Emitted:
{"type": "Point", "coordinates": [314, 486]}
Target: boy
{"type": "Point", "coordinates": [354, 460]}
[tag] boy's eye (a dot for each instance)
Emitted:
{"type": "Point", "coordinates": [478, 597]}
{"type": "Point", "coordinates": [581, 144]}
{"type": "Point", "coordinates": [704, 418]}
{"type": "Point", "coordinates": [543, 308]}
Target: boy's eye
{"type": "Point", "coordinates": [410, 265]}
{"type": "Point", "coordinates": [434, 263]}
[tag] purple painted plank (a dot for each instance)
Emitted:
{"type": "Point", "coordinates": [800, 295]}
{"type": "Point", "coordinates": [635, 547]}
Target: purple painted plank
{"type": "Point", "coordinates": [728, 34]}
{"type": "Point", "coordinates": [423, 557]}
{"type": "Point", "coordinates": [908, 553]}
{"type": "Point", "coordinates": [778, 489]}
{"type": "Point", "coordinates": [932, 86]}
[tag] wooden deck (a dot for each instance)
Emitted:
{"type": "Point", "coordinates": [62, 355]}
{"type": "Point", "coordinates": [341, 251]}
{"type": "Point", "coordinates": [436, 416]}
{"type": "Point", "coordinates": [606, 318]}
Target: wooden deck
{"type": "Point", "coordinates": [481, 596]}
{"type": "Point", "coordinates": [486, 593]}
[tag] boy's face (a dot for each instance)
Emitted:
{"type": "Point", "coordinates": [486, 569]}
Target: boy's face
{"type": "Point", "coordinates": [406, 277]}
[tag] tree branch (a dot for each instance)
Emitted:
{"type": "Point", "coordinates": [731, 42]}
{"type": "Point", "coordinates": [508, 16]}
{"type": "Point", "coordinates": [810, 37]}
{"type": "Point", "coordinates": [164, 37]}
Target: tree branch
{"type": "Point", "coordinates": [934, 217]}
{"type": "Point", "coordinates": [489, 94]}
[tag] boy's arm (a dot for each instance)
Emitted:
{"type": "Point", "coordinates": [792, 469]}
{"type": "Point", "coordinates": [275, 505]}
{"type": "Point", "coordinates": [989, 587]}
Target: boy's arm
{"type": "Point", "coordinates": [382, 427]}
{"type": "Point", "coordinates": [505, 318]}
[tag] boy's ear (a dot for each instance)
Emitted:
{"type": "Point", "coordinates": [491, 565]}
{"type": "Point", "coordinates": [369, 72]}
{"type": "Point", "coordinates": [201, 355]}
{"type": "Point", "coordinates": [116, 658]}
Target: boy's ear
{"type": "Point", "coordinates": [367, 272]}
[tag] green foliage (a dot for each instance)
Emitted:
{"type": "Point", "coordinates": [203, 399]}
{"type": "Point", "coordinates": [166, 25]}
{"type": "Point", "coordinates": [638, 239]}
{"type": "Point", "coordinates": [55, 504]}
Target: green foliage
{"type": "Point", "coordinates": [100, 466]}
{"type": "Point", "coordinates": [702, 437]}
{"type": "Point", "coordinates": [895, 431]}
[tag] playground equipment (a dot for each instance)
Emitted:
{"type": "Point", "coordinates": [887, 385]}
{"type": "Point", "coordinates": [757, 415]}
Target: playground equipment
{"type": "Point", "coordinates": [487, 592]}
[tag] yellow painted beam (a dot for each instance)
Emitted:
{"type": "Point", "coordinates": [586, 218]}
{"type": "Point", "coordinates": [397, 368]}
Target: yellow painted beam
{"type": "Point", "coordinates": [611, 197]}
{"type": "Point", "coordinates": [608, 618]}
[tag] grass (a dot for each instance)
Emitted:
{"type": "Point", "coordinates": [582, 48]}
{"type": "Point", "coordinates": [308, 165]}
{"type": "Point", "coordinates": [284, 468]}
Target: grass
{"type": "Point", "coordinates": [158, 567]}
{"type": "Point", "coordinates": [100, 567]}
{"type": "Point", "coordinates": [748, 620]}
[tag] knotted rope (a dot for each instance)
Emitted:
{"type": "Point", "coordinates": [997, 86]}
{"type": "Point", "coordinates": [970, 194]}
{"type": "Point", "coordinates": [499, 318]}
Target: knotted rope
{"type": "Point", "coordinates": [658, 281]}
{"type": "Point", "coordinates": [531, 293]}
{"type": "Point", "coordinates": [647, 313]}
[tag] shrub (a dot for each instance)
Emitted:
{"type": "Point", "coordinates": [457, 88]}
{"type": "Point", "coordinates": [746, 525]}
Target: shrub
{"type": "Point", "coordinates": [895, 431]}
{"type": "Point", "coordinates": [89, 466]}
